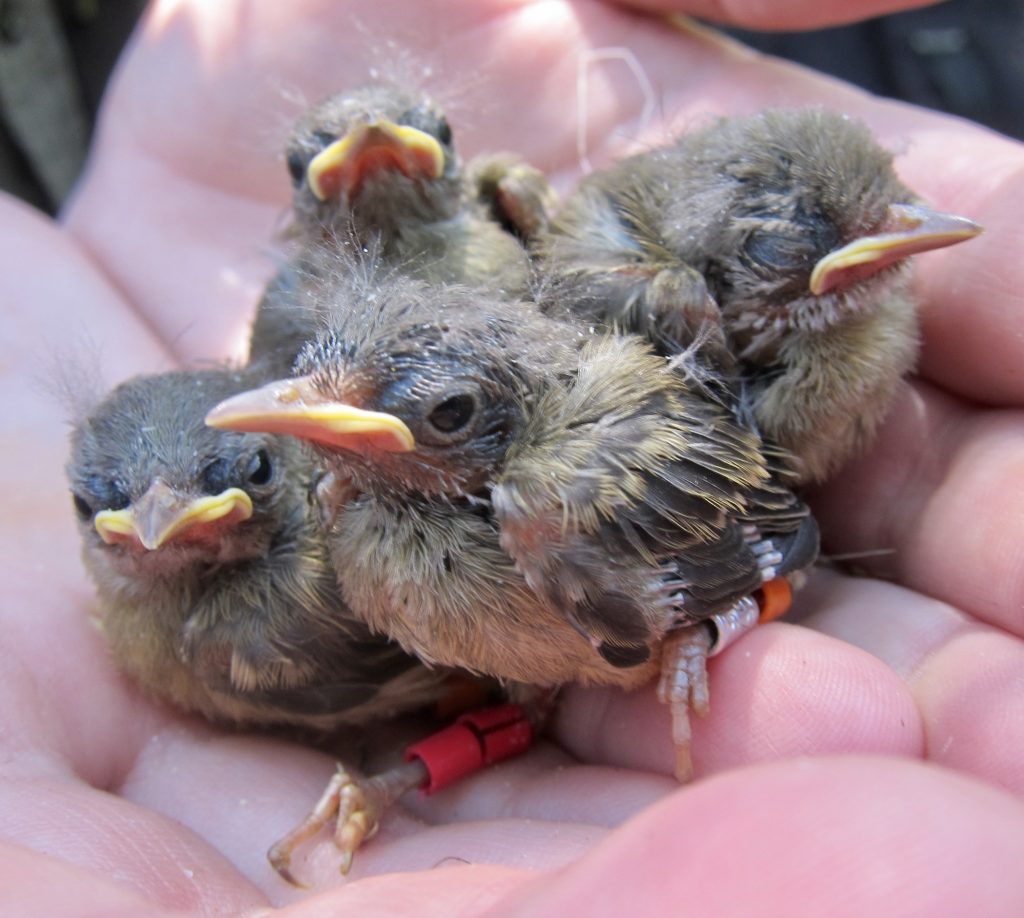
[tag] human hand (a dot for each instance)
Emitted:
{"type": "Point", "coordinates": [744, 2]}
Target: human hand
{"type": "Point", "coordinates": [114, 801]}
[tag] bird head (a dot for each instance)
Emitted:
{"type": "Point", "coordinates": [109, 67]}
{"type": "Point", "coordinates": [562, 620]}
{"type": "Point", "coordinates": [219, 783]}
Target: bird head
{"type": "Point", "coordinates": [410, 388]}
{"type": "Point", "coordinates": [377, 157]}
{"type": "Point", "coordinates": [814, 221]}
{"type": "Point", "coordinates": [156, 491]}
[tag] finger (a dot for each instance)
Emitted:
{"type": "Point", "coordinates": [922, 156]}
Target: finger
{"type": "Point", "coordinates": [239, 793]}
{"type": "Point", "coordinates": [971, 295]}
{"type": "Point", "coordinates": [939, 494]}
{"type": "Point", "coordinates": [458, 889]}
{"type": "Point", "coordinates": [792, 15]}
{"type": "Point", "coordinates": [967, 680]}
{"type": "Point", "coordinates": [850, 835]}
{"type": "Point", "coordinates": [781, 691]}
{"type": "Point", "coordinates": [41, 884]}
{"type": "Point", "coordinates": [522, 844]}
{"type": "Point", "coordinates": [57, 308]}
{"type": "Point", "coordinates": [158, 859]}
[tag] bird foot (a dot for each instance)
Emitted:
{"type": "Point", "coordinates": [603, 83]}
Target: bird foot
{"type": "Point", "coordinates": [517, 194]}
{"type": "Point", "coordinates": [683, 313]}
{"type": "Point", "coordinates": [684, 687]}
{"type": "Point", "coordinates": [356, 806]}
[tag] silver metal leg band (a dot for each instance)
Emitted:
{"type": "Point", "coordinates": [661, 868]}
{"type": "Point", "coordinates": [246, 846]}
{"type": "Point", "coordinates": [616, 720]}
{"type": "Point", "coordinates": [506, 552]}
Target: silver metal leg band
{"type": "Point", "coordinates": [728, 626]}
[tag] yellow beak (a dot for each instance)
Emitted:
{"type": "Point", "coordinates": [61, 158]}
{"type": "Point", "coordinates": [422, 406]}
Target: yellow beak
{"type": "Point", "coordinates": [910, 229]}
{"type": "Point", "coordinates": [343, 165]}
{"type": "Point", "coordinates": [162, 514]}
{"type": "Point", "coordinates": [296, 408]}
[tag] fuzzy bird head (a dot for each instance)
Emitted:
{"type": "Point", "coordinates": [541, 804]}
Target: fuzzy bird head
{"type": "Point", "coordinates": [156, 491]}
{"type": "Point", "coordinates": [412, 387]}
{"type": "Point", "coordinates": [795, 217]}
{"type": "Point", "coordinates": [372, 158]}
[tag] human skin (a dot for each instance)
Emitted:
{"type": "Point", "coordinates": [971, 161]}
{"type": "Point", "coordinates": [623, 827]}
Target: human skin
{"type": "Point", "coordinates": [866, 751]}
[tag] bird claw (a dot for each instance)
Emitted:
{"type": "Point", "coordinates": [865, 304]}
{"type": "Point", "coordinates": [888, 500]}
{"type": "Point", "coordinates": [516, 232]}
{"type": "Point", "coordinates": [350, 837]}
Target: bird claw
{"type": "Point", "coordinates": [359, 812]}
{"type": "Point", "coordinates": [357, 806]}
{"type": "Point", "coordinates": [683, 686]}
{"type": "Point", "coordinates": [280, 853]}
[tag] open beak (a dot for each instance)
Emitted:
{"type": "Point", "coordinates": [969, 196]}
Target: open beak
{"type": "Point", "coordinates": [908, 230]}
{"type": "Point", "coordinates": [369, 148]}
{"type": "Point", "coordinates": [163, 514]}
{"type": "Point", "coordinates": [296, 408]}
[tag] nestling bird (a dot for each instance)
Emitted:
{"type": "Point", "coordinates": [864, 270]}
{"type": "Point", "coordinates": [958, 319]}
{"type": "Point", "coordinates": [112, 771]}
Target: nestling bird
{"type": "Point", "coordinates": [377, 167]}
{"type": "Point", "coordinates": [533, 502]}
{"type": "Point", "coordinates": [215, 588]}
{"type": "Point", "coordinates": [787, 232]}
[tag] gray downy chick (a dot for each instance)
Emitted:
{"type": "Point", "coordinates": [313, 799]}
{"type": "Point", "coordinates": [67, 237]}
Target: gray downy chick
{"type": "Point", "coordinates": [787, 234]}
{"type": "Point", "coordinates": [535, 502]}
{"type": "Point", "coordinates": [377, 167]}
{"type": "Point", "coordinates": [216, 592]}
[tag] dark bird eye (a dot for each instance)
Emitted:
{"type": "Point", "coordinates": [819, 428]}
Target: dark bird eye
{"type": "Point", "coordinates": [777, 252]}
{"type": "Point", "coordinates": [323, 139]}
{"type": "Point", "coordinates": [453, 413]}
{"type": "Point", "coordinates": [82, 507]}
{"type": "Point", "coordinates": [106, 492]}
{"type": "Point", "coordinates": [296, 166]}
{"type": "Point", "coordinates": [791, 249]}
{"type": "Point", "coordinates": [444, 132]}
{"type": "Point", "coordinates": [216, 477]}
{"type": "Point", "coordinates": [259, 469]}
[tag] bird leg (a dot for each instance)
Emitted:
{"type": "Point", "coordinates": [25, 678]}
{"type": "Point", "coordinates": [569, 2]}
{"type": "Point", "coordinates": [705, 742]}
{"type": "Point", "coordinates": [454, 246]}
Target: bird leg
{"type": "Point", "coordinates": [683, 686]}
{"type": "Point", "coordinates": [684, 676]}
{"type": "Point", "coordinates": [357, 806]}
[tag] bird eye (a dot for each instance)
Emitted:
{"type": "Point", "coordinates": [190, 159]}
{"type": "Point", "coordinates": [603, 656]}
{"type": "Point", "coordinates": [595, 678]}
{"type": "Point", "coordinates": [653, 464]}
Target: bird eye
{"type": "Point", "coordinates": [324, 139]}
{"type": "Point", "coordinates": [296, 166]}
{"type": "Point", "coordinates": [444, 132]}
{"type": "Point", "coordinates": [453, 413]}
{"type": "Point", "coordinates": [216, 477]}
{"type": "Point", "coordinates": [106, 492]}
{"type": "Point", "coordinates": [259, 469]}
{"type": "Point", "coordinates": [777, 252]}
{"type": "Point", "coordinates": [82, 507]}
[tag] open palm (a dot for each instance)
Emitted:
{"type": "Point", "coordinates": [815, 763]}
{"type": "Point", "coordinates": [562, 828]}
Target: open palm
{"type": "Point", "coordinates": [809, 764]}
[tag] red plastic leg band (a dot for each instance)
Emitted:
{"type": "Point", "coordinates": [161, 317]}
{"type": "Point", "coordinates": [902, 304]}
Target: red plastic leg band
{"type": "Point", "coordinates": [474, 741]}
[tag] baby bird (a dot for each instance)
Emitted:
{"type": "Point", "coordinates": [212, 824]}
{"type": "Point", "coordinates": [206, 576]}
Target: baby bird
{"type": "Point", "coordinates": [216, 591]}
{"type": "Point", "coordinates": [786, 233]}
{"type": "Point", "coordinates": [533, 502]}
{"type": "Point", "coordinates": [377, 167]}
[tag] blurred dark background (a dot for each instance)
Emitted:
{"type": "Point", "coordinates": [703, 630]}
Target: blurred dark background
{"type": "Point", "coordinates": [963, 56]}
